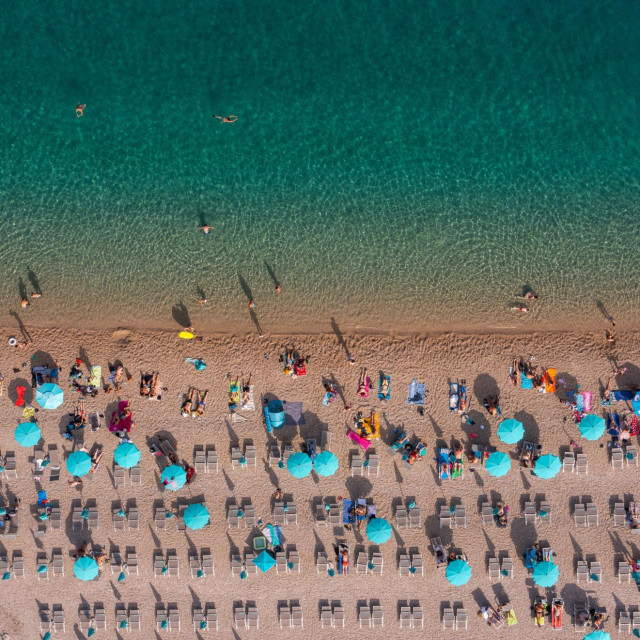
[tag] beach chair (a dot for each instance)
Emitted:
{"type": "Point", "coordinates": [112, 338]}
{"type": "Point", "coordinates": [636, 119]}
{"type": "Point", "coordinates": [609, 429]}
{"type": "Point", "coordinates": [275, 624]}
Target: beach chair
{"type": "Point", "coordinates": [294, 561]}
{"type": "Point", "coordinates": [57, 564]}
{"type": "Point", "coordinates": [54, 463]}
{"type": "Point", "coordinates": [364, 615]}
{"type": "Point", "coordinates": [237, 459]}
{"type": "Point", "coordinates": [45, 619]}
{"type": "Point", "coordinates": [212, 460]}
{"type": "Point", "coordinates": [132, 562]}
{"type": "Point", "coordinates": [582, 465]}
{"type": "Point", "coordinates": [119, 519]}
{"type": "Point", "coordinates": [592, 515]}
{"type": "Point", "coordinates": [250, 456]}
{"type": "Point", "coordinates": [322, 562]}
{"type": "Point", "coordinates": [631, 455]}
{"type": "Point", "coordinates": [200, 465]}
{"type": "Point", "coordinates": [530, 513]}
{"type": "Point", "coordinates": [77, 521]}
{"type": "Point", "coordinates": [122, 619]}
{"type": "Point", "coordinates": [493, 568]}
{"type": "Point", "coordinates": [135, 475]}
{"type": "Point", "coordinates": [117, 563]}
{"type": "Point", "coordinates": [173, 565]}
{"type": "Point", "coordinates": [42, 566]}
{"type": "Point", "coordinates": [402, 518]}
{"type": "Point", "coordinates": [207, 564]}
{"type": "Point", "coordinates": [580, 515]}
{"type": "Point", "coordinates": [278, 514]}
{"type": "Point", "coordinates": [547, 554]}
{"type": "Point", "coordinates": [617, 458]}
{"type": "Point", "coordinates": [291, 513]}
{"type": "Point", "coordinates": [249, 517]}
{"type": "Point", "coordinates": [253, 621]}
{"type": "Point", "coordinates": [445, 517]}
{"type": "Point", "coordinates": [100, 617]}
{"type": "Point", "coordinates": [569, 462]}
{"type": "Point", "coordinates": [436, 544]}
{"type": "Point", "coordinates": [460, 516]}
{"type": "Point", "coordinates": [404, 565]}
{"type": "Point", "coordinates": [174, 619]}
{"type": "Point", "coordinates": [374, 465]}
{"type": "Point", "coordinates": [55, 518]}
{"type": "Point", "coordinates": [544, 515]}
{"type": "Point", "coordinates": [415, 518]}
{"type": "Point", "coordinates": [338, 617]}
{"type": "Point", "coordinates": [84, 618]}
{"type": "Point", "coordinates": [162, 620]}
{"type": "Point", "coordinates": [284, 616]}
{"type": "Point", "coordinates": [580, 616]}
{"type": "Point", "coordinates": [321, 515]}
{"type": "Point", "coordinates": [582, 572]}
{"type": "Point", "coordinates": [461, 619]}
{"type": "Point", "coordinates": [236, 565]}
{"type": "Point", "coordinates": [377, 616]}
{"type": "Point", "coordinates": [624, 572]}
{"type": "Point", "coordinates": [334, 514]}
{"type": "Point", "coordinates": [444, 466]}
{"type": "Point", "coordinates": [507, 567]}
{"type": "Point", "coordinates": [182, 525]}
{"type": "Point", "coordinates": [448, 618]}
{"type": "Point", "coordinates": [58, 620]}
{"type": "Point", "coordinates": [119, 476]}
{"type": "Point", "coordinates": [357, 465]}
{"type": "Point", "coordinates": [92, 520]}
{"type": "Point", "coordinates": [38, 459]}
{"type": "Point", "coordinates": [361, 563]}
{"type": "Point", "coordinates": [287, 452]}
{"type": "Point", "coordinates": [556, 622]}
{"type": "Point", "coordinates": [619, 515]}
{"type": "Point", "coordinates": [134, 618]}
{"type": "Point", "coordinates": [211, 616]}
{"type": "Point", "coordinates": [595, 571]}
{"type": "Point", "coordinates": [160, 569]}
{"type": "Point", "coordinates": [273, 456]}
{"type": "Point", "coordinates": [18, 564]}
{"type": "Point", "coordinates": [417, 618]}
{"type": "Point", "coordinates": [194, 565]}
{"type": "Point", "coordinates": [233, 517]}
{"type": "Point", "coordinates": [160, 519]}
{"type": "Point", "coordinates": [417, 564]}
{"type": "Point", "coordinates": [326, 617]}
{"type": "Point", "coordinates": [10, 469]}
{"type": "Point", "coordinates": [297, 621]}
{"type": "Point", "coordinates": [635, 621]}
{"type": "Point", "coordinates": [281, 563]}
{"type": "Point", "coordinates": [325, 443]}
{"type": "Point", "coordinates": [624, 622]}
{"type": "Point", "coordinates": [486, 512]}
{"type": "Point", "coordinates": [133, 518]}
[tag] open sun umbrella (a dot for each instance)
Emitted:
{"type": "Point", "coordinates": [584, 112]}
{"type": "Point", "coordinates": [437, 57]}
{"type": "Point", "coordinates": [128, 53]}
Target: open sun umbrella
{"type": "Point", "coordinates": [326, 463]}
{"type": "Point", "coordinates": [458, 572]}
{"type": "Point", "coordinates": [511, 431]}
{"type": "Point", "coordinates": [591, 427]}
{"type": "Point", "coordinates": [264, 561]}
{"type": "Point", "coordinates": [174, 477]}
{"type": "Point", "coordinates": [79, 463]}
{"type": "Point", "coordinates": [127, 455]}
{"type": "Point", "coordinates": [597, 635]}
{"type": "Point", "coordinates": [546, 574]}
{"type": "Point", "coordinates": [85, 568]}
{"type": "Point", "coordinates": [299, 465]}
{"type": "Point", "coordinates": [635, 403]}
{"type": "Point", "coordinates": [498, 464]}
{"type": "Point", "coordinates": [49, 395]}
{"type": "Point", "coordinates": [196, 516]}
{"type": "Point", "coordinates": [547, 466]}
{"type": "Point", "coordinates": [378, 530]}
{"type": "Point", "coordinates": [27, 434]}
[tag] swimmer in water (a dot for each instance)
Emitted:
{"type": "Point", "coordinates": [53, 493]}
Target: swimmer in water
{"type": "Point", "coordinates": [278, 288]}
{"type": "Point", "coordinates": [24, 303]}
{"type": "Point", "coordinates": [226, 118]}
{"type": "Point", "coordinates": [204, 302]}
{"type": "Point", "coordinates": [80, 110]}
{"type": "Point", "coordinates": [206, 229]}
{"type": "Point", "coordinates": [522, 309]}
{"type": "Point", "coordinates": [252, 304]}
{"type": "Point", "coordinates": [35, 295]}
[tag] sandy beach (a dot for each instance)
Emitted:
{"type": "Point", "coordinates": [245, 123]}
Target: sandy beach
{"type": "Point", "coordinates": [482, 360]}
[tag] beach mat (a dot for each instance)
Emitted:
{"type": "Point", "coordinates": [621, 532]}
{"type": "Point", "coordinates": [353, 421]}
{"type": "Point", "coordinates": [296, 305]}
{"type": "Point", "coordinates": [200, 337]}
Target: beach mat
{"type": "Point", "coordinates": [248, 406]}
{"type": "Point", "coordinates": [416, 392]}
{"type": "Point", "coordinates": [293, 414]}
{"type": "Point", "coordinates": [621, 394]}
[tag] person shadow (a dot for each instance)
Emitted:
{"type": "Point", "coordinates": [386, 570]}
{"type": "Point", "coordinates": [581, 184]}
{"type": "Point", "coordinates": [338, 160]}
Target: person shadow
{"type": "Point", "coordinates": [272, 274]}
{"type": "Point", "coordinates": [35, 283]}
{"type": "Point", "coordinates": [23, 330]}
{"type": "Point", "coordinates": [22, 289]}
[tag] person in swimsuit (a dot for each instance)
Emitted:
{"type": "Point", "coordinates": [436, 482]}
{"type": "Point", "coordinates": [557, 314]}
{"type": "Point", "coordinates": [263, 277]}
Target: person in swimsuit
{"type": "Point", "coordinates": [202, 403]}
{"type": "Point", "coordinates": [185, 410]}
{"type": "Point", "coordinates": [520, 308]}
{"type": "Point", "coordinates": [206, 229]}
{"type": "Point", "coordinates": [80, 110]}
{"type": "Point", "coordinates": [228, 119]}
{"type": "Point", "coordinates": [361, 512]}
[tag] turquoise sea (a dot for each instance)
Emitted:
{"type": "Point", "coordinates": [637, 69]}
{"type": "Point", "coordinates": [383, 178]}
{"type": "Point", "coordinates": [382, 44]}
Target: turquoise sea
{"type": "Point", "coordinates": [405, 165]}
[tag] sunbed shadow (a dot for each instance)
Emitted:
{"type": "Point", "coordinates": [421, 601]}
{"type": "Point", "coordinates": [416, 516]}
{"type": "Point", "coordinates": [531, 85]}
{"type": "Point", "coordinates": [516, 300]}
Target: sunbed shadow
{"type": "Point", "coordinates": [227, 479]}
{"type": "Point", "coordinates": [180, 314]}
{"type": "Point", "coordinates": [116, 593]}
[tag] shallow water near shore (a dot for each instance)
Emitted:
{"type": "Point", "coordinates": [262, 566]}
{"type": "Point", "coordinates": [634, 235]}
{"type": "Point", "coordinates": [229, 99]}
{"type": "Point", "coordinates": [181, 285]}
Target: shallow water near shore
{"type": "Point", "coordinates": [394, 166]}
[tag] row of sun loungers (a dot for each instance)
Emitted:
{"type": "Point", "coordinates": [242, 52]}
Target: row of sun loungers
{"type": "Point", "coordinates": [360, 466]}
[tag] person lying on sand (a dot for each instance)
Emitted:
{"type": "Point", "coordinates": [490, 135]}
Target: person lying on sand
{"type": "Point", "coordinates": [245, 388]}
{"type": "Point", "coordinates": [187, 405]}
{"type": "Point", "coordinates": [363, 387]}
{"type": "Point", "coordinates": [202, 403]}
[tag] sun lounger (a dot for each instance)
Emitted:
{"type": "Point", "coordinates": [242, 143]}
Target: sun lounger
{"type": "Point", "coordinates": [233, 516]}
{"type": "Point", "coordinates": [212, 460]}
{"type": "Point", "coordinates": [624, 572]}
{"type": "Point", "coordinates": [357, 465]}
{"type": "Point", "coordinates": [417, 564]}
{"type": "Point", "coordinates": [119, 519]}
{"type": "Point", "coordinates": [343, 568]}
{"type": "Point", "coordinates": [238, 460]}
{"type": "Point", "coordinates": [84, 618]}
{"type": "Point", "coordinates": [568, 462]}
{"type": "Point", "coordinates": [325, 443]}
{"type": "Point", "coordinates": [436, 545]}
{"type": "Point", "coordinates": [160, 569]}
{"type": "Point", "coordinates": [582, 572]}
{"type": "Point", "coordinates": [77, 521]}
{"type": "Point", "coordinates": [291, 513]}
{"type": "Point", "coordinates": [252, 618]}
{"type": "Point", "coordinates": [547, 554]}
{"type": "Point", "coordinates": [211, 617]}
{"type": "Point", "coordinates": [42, 566]}
{"type": "Point", "coordinates": [57, 564]}
{"type": "Point", "coordinates": [236, 565]}
{"type": "Point", "coordinates": [100, 617]}
{"type": "Point", "coordinates": [580, 515]}
{"type": "Point", "coordinates": [631, 455]}
{"type": "Point", "coordinates": [530, 513]}
{"type": "Point", "coordinates": [92, 520]}
{"type": "Point", "coordinates": [326, 617]}
{"type": "Point", "coordinates": [249, 565]}
{"type": "Point", "coordinates": [448, 618]}
{"type": "Point", "coordinates": [162, 620]}
{"type": "Point", "coordinates": [133, 518]}
{"type": "Point", "coordinates": [334, 514]}
{"type": "Point", "coordinates": [55, 518]}
{"type": "Point", "coordinates": [250, 456]}
{"type": "Point", "coordinates": [294, 561]}
{"type": "Point", "coordinates": [297, 621]}
{"type": "Point", "coordinates": [194, 565]}
{"type": "Point", "coordinates": [405, 618]}
{"type": "Point", "coordinates": [361, 563]}
{"type": "Point", "coordinates": [580, 616]}
{"type": "Point", "coordinates": [287, 452]}
{"type": "Point", "coordinates": [595, 571]}
{"type": "Point", "coordinates": [617, 458]}
{"type": "Point", "coordinates": [173, 565]}
{"type": "Point", "coordinates": [415, 517]}
{"type": "Point", "coordinates": [284, 616]}
{"type": "Point", "coordinates": [582, 465]}
{"type": "Point", "coordinates": [461, 619]}
{"type": "Point", "coordinates": [119, 476]}
{"type": "Point", "coordinates": [364, 616]}
{"type": "Point", "coordinates": [635, 621]}
{"type": "Point", "coordinates": [530, 560]}
{"type": "Point", "coordinates": [417, 618]}
{"type": "Point", "coordinates": [493, 569]}
{"type": "Point", "coordinates": [402, 519]}
{"type": "Point", "coordinates": [200, 461]}
{"type": "Point", "coordinates": [373, 470]}
{"type": "Point", "coordinates": [132, 562]}
{"type": "Point", "coordinates": [207, 564]}
{"type": "Point", "coordinates": [274, 456]}
{"type": "Point", "coordinates": [624, 622]}
{"type": "Point", "coordinates": [117, 563]}
{"type": "Point", "coordinates": [454, 396]}
{"type": "Point", "coordinates": [486, 512]}
{"type": "Point", "coordinates": [160, 519]}
{"type": "Point", "coordinates": [592, 515]}
{"type": "Point", "coordinates": [445, 517]}
{"type": "Point", "coordinates": [322, 562]}
{"type": "Point", "coordinates": [18, 565]}
{"type": "Point", "coordinates": [348, 516]}
{"type": "Point", "coordinates": [377, 616]}
{"type": "Point", "coordinates": [122, 619]}
{"type": "Point", "coordinates": [545, 512]}
{"type": "Point", "coordinates": [404, 565]}
{"type": "Point", "coordinates": [54, 463]}
{"type": "Point", "coordinates": [45, 619]}
{"type": "Point", "coordinates": [58, 620]}
{"type": "Point", "coordinates": [460, 516]}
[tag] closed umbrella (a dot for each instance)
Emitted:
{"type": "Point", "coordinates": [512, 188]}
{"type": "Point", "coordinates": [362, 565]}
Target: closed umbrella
{"type": "Point", "coordinates": [28, 434]}
{"type": "Point", "coordinates": [547, 466]}
{"type": "Point", "coordinates": [325, 463]}
{"type": "Point", "coordinates": [299, 465]}
{"type": "Point", "coordinates": [49, 395]}
{"type": "Point", "coordinates": [196, 516]}
{"type": "Point", "coordinates": [591, 427]}
{"type": "Point", "coordinates": [264, 561]}
{"type": "Point", "coordinates": [127, 455]}
{"type": "Point", "coordinates": [546, 574]}
{"type": "Point", "coordinates": [378, 530]}
{"type": "Point", "coordinates": [174, 477]}
{"type": "Point", "coordinates": [511, 431]}
{"type": "Point", "coordinates": [85, 568]}
{"type": "Point", "coordinates": [635, 403]}
{"type": "Point", "coordinates": [597, 635]}
{"type": "Point", "coordinates": [458, 572]}
{"type": "Point", "coordinates": [498, 464]}
{"type": "Point", "coordinates": [79, 463]}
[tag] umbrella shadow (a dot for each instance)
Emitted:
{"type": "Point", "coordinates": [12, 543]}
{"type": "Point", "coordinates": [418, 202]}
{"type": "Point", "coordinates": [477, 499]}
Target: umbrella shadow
{"type": "Point", "coordinates": [180, 314]}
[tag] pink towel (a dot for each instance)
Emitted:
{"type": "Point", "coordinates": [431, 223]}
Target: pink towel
{"type": "Point", "coordinates": [588, 400]}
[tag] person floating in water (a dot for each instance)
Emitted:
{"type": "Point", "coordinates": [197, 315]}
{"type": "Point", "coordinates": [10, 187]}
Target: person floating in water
{"type": "Point", "coordinates": [206, 229]}
{"type": "Point", "coordinates": [278, 288]}
{"type": "Point", "coordinates": [80, 110]}
{"type": "Point", "coordinates": [226, 118]}
{"type": "Point", "coordinates": [520, 308]}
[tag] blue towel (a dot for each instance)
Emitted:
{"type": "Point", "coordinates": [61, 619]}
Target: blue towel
{"type": "Point", "coordinates": [621, 394]}
{"type": "Point", "coordinates": [416, 393]}
{"type": "Point", "coordinates": [347, 518]}
{"type": "Point", "coordinates": [526, 383]}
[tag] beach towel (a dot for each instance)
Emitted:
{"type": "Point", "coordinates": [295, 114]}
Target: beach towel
{"type": "Point", "coordinates": [443, 458]}
{"type": "Point", "coordinates": [234, 395]}
{"type": "Point", "coordinates": [124, 424]}
{"type": "Point", "coordinates": [365, 444]}
{"type": "Point", "coordinates": [416, 393]}
{"type": "Point", "coordinates": [20, 393]}
{"type": "Point", "coordinates": [249, 405]}
{"type": "Point", "coordinates": [273, 534]}
{"type": "Point", "coordinates": [634, 427]}
{"type": "Point", "coordinates": [454, 397]}
{"type": "Point", "coordinates": [42, 498]}
{"type": "Point", "coordinates": [526, 383]}
{"type": "Point", "coordinates": [549, 377]}
{"type": "Point", "coordinates": [510, 617]}
{"type": "Point", "coordinates": [293, 414]}
{"type": "Point", "coordinates": [587, 400]}
{"type": "Point", "coordinates": [382, 395]}
{"type": "Point", "coordinates": [95, 376]}
{"type": "Point", "coordinates": [530, 558]}
{"type": "Point", "coordinates": [621, 394]}
{"type": "Point", "coordinates": [197, 363]}
{"type": "Point", "coordinates": [347, 516]}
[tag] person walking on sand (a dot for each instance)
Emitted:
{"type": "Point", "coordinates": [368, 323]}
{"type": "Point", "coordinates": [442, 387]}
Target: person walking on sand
{"type": "Point", "coordinates": [24, 303]}
{"type": "Point", "coordinates": [227, 119]}
{"type": "Point", "coordinates": [206, 229]}
{"type": "Point", "coordinates": [80, 110]}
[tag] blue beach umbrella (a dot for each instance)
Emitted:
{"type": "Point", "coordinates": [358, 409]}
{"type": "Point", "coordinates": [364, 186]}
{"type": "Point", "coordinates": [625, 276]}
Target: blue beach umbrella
{"type": "Point", "coordinates": [547, 466]}
{"type": "Point", "coordinates": [511, 431]}
{"type": "Point", "coordinates": [127, 455]}
{"type": "Point", "coordinates": [326, 463]}
{"type": "Point", "coordinates": [498, 464]}
{"type": "Point", "coordinates": [28, 434]}
{"type": "Point", "coordinates": [85, 568]}
{"type": "Point", "coordinates": [546, 574]}
{"type": "Point", "coordinates": [196, 516]}
{"type": "Point", "coordinates": [49, 395]}
{"type": "Point", "coordinates": [378, 530]}
{"type": "Point", "coordinates": [79, 463]}
{"type": "Point", "coordinates": [264, 561]}
{"type": "Point", "coordinates": [635, 403]}
{"type": "Point", "coordinates": [591, 427]}
{"type": "Point", "coordinates": [174, 477]}
{"type": "Point", "coordinates": [299, 465]}
{"type": "Point", "coordinates": [597, 635]}
{"type": "Point", "coordinates": [458, 573]}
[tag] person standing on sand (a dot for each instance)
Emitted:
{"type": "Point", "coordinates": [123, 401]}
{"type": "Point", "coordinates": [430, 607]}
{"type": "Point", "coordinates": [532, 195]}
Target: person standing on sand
{"type": "Point", "coordinates": [206, 229]}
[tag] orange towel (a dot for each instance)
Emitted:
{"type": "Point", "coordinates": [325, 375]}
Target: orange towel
{"type": "Point", "coordinates": [550, 380]}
